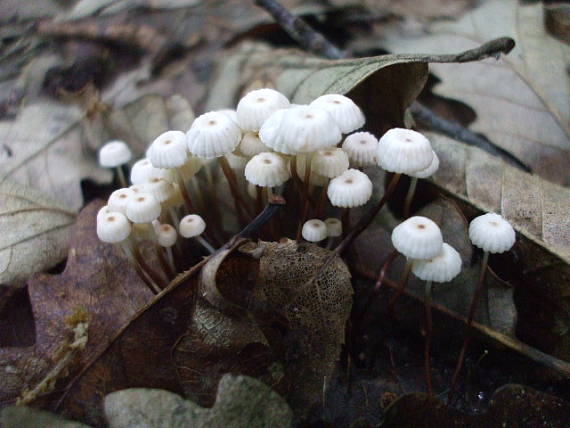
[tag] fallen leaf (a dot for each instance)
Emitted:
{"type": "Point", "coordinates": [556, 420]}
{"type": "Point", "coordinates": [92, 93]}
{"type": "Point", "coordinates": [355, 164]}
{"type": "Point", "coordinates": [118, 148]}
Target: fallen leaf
{"type": "Point", "coordinates": [35, 232]}
{"type": "Point", "coordinates": [45, 152]}
{"type": "Point", "coordinates": [26, 417]}
{"type": "Point", "coordinates": [97, 279]}
{"type": "Point", "coordinates": [514, 406]}
{"type": "Point", "coordinates": [241, 402]}
{"type": "Point", "coordinates": [522, 102]}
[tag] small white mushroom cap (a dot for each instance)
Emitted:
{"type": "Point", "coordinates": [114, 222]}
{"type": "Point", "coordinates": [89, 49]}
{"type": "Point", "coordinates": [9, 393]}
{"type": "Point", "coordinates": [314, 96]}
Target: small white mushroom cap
{"type": "Point", "coordinates": [314, 178]}
{"type": "Point", "coordinates": [114, 154]}
{"type": "Point", "coordinates": [442, 268]}
{"type": "Point", "coordinates": [492, 233]}
{"type": "Point", "coordinates": [314, 230]}
{"type": "Point", "coordinates": [119, 199]}
{"type": "Point", "coordinates": [267, 170]}
{"type": "Point", "coordinates": [113, 227]}
{"type": "Point", "coordinates": [142, 170]}
{"type": "Point", "coordinates": [166, 235]}
{"type": "Point", "coordinates": [403, 151]}
{"type": "Point", "coordinates": [417, 238]}
{"type": "Point", "coordinates": [161, 189]}
{"type": "Point", "coordinates": [350, 189]}
{"type": "Point", "coordinates": [104, 210]}
{"type": "Point", "coordinates": [334, 227]}
{"type": "Point", "coordinates": [168, 150]}
{"type": "Point", "coordinates": [231, 114]}
{"type": "Point", "coordinates": [345, 112]}
{"type": "Point", "coordinates": [212, 135]}
{"type": "Point", "coordinates": [191, 226]}
{"type": "Point", "coordinates": [429, 171]}
{"type": "Point", "coordinates": [256, 106]}
{"type": "Point", "coordinates": [251, 145]}
{"type": "Point", "coordinates": [361, 148]}
{"type": "Point", "coordinates": [330, 162]}
{"type": "Point", "coordinates": [143, 208]}
{"type": "Point", "coordinates": [300, 129]}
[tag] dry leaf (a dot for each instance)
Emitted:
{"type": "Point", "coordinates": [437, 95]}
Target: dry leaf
{"type": "Point", "coordinates": [44, 152]}
{"type": "Point", "coordinates": [26, 417]}
{"type": "Point", "coordinates": [522, 102]}
{"type": "Point", "coordinates": [98, 280]}
{"type": "Point", "coordinates": [35, 232]}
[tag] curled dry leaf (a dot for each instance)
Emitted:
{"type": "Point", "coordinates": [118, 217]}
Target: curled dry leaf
{"type": "Point", "coordinates": [522, 102]}
{"type": "Point", "coordinates": [35, 232]}
{"type": "Point", "coordinates": [97, 280]}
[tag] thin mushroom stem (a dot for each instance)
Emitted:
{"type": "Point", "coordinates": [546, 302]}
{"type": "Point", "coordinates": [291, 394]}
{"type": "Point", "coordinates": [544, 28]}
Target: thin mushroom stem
{"type": "Point", "coordinates": [128, 248]}
{"type": "Point", "coordinates": [240, 205]}
{"type": "Point", "coordinates": [401, 286]}
{"type": "Point", "coordinates": [121, 176]}
{"type": "Point", "coordinates": [170, 257]}
{"type": "Point", "coordinates": [480, 290]}
{"type": "Point", "coordinates": [259, 199]}
{"type": "Point", "coordinates": [163, 261]}
{"type": "Point", "coordinates": [410, 196]}
{"type": "Point", "coordinates": [159, 282]}
{"type": "Point", "coordinates": [345, 218]}
{"type": "Point", "coordinates": [322, 199]}
{"type": "Point", "coordinates": [199, 194]}
{"type": "Point", "coordinates": [205, 244]}
{"type": "Point", "coordinates": [184, 191]}
{"type": "Point", "coordinates": [429, 328]}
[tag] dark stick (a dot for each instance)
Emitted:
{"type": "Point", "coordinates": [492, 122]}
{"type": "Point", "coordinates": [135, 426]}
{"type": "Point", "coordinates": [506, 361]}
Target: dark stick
{"type": "Point", "coordinates": [312, 41]}
{"type": "Point", "coordinates": [273, 204]}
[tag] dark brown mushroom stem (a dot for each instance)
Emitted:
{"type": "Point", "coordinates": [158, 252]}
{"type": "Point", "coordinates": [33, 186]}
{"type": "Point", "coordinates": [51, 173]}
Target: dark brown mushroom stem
{"type": "Point", "coordinates": [401, 287]}
{"type": "Point", "coordinates": [240, 205]}
{"type": "Point", "coordinates": [429, 329]}
{"type": "Point", "coordinates": [121, 176]}
{"type": "Point", "coordinates": [184, 192]}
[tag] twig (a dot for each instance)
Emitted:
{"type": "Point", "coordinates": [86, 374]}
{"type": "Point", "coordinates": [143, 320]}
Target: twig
{"type": "Point", "coordinates": [312, 41]}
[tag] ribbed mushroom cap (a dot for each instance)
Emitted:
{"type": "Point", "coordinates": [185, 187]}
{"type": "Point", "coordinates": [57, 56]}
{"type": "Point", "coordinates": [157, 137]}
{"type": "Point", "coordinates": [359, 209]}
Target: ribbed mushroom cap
{"type": "Point", "coordinates": [417, 238]}
{"type": "Point", "coordinates": [350, 189]}
{"type": "Point", "coordinates": [161, 189]}
{"type": "Point", "coordinates": [314, 178]}
{"type": "Point", "coordinates": [345, 112]}
{"type": "Point", "coordinates": [142, 170]}
{"type": "Point", "coordinates": [166, 235]}
{"type": "Point", "coordinates": [143, 208]}
{"type": "Point", "coordinates": [441, 268]}
{"type": "Point", "coordinates": [119, 199]}
{"type": "Point", "coordinates": [113, 227]}
{"type": "Point", "coordinates": [256, 106]}
{"type": "Point", "coordinates": [334, 227]}
{"type": "Point", "coordinates": [429, 171]}
{"type": "Point", "coordinates": [300, 129]}
{"type": "Point", "coordinates": [168, 150]}
{"type": "Point", "coordinates": [237, 163]}
{"type": "Point", "coordinates": [175, 200]}
{"type": "Point", "coordinates": [492, 233]}
{"type": "Point", "coordinates": [403, 151]}
{"type": "Point", "coordinates": [212, 135]}
{"type": "Point", "coordinates": [251, 145]}
{"type": "Point", "coordinates": [267, 170]}
{"type": "Point", "coordinates": [113, 154]}
{"type": "Point", "coordinates": [314, 230]}
{"type": "Point", "coordinates": [361, 148]}
{"type": "Point", "coordinates": [104, 210]}
{"type": "Point", "coordinates": [191, 226]}
{"type": "Point", "coordinates": [231, 114]}
{"type": "Point", "coordinates": [330, 162]}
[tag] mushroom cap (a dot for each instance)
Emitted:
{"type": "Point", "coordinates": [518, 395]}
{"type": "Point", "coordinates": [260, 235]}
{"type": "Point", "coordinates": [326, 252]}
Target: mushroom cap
{"type": "Point", "coordinates": [417, 238]}
{"type": "Point", "coordinates": [257, 105]}
{"type": "Point", "coordinates": [104, 210]}
{"type": "Point", "coordinates": [191, 226]}
{"type": "Point", "coordinates": [142, 170]}
{"type": "Point", "coordinates": [212, 135]}
{"type": "Point", "coordinates": [267, 170]}
{"type": "Point", "coordinates": [345, 112]}
{"type": "Point", "coordinates": [161, 189]}
{"type": "Point", "coordinates": [361, 148]}
{"type": "Point", "coordinates": [143, 208]}
{"type": "Point", "coordinates": [334, 227]}
{"type": "Point", "coordinates": [441, 268]}
{"type": "Point", "coordinates": [492, 233]}
{"type": "Point", "coordinates": [350, 189]}
{"type": "Point", "coordinates": [300, 129]}
{"type": "Point", "coordinates": [114, 153]}
{"type": "Point", "coordinates": [168, 150]}
{"type": "Point", "coordinates": [314, 178]}
{"type": "Point", "coordinates": [330, 162]}
{"type": "Point", "coordinates": [429, 171]}
{"type": "Point", "coordinates": [191, 167]}
{"type": "Point", "coordinates": [113, 227]}
{"type": "Point", "coordinates": [314, 230]}
{"type": "Point", "coordinates": [119, 199]}
{"type": "Point", "coordinates": [166, 235]}
{"type": "Point", "coordinates": [237, 163]}
{"type": "Point", "coordinates": [231, 114]}
{"type": "Point", "coordinates": [251, 145]}
{"type": "Point", "coordinates": [403, 151]}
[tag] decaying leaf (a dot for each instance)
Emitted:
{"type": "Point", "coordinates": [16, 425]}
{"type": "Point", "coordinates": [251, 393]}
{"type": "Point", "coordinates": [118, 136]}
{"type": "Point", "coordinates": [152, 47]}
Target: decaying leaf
{"type": "Point", "coordinates": [97, 280]}
{"type": "Point", "coordinates": [44, 152]}
{"type": "Point", "coordinates": [26, 417]}
{"type": "Point", "coordinates": [512, 405]}
{"type": "Point", "coordinates": [523, 102]}
{"type": "Point", "coordinates": [35, 232]}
